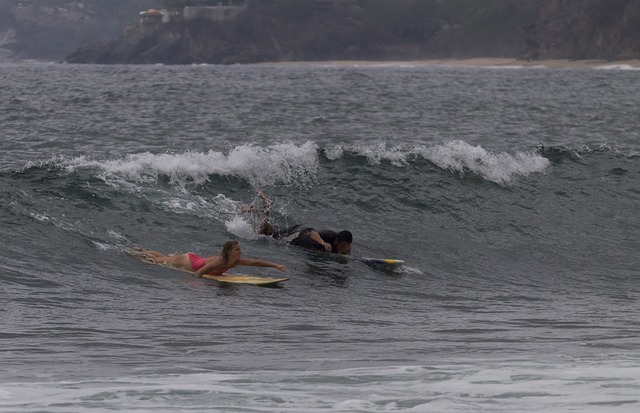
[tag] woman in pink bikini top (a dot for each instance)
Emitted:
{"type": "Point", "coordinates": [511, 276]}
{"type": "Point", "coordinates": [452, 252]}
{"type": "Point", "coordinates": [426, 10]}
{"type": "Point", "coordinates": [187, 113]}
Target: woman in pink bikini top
{"type": "Point", "coordinates": [230, 257]}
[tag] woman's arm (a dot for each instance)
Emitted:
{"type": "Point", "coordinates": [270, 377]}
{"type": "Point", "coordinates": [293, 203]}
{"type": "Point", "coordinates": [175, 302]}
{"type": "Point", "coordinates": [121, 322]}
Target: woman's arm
{"type": "Point", "coordinates": [260, 263]}
{"type": "Point", "coordinates": [211, 267]}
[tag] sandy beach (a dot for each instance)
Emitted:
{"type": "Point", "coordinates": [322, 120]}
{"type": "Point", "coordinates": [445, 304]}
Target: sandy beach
{"type": "Point", "coordinates": [482, 62]}
{"type": "Point", "coordinates": [506, 62]}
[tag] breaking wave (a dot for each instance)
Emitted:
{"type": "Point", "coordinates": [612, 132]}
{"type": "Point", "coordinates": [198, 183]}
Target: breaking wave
{"type": "Point", "coordinates": [297, 164]}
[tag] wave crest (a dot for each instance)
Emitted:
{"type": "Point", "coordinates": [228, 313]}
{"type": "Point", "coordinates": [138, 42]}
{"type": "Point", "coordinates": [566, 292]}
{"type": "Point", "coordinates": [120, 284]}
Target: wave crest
{"type": "Point", "coordinates": [298, 164]}
{"type": "Point", "coordinates": [456, 156]}
{"type": "Point", "coordinates": [285, 164]}
{"type": "Point", "coordinates": [499, 167]}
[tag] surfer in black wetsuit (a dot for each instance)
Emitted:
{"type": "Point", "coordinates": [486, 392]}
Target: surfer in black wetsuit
{"type": "Point", "coordinates": [300, 236]}
{"type": "Point", "coordinates": [325, 240]}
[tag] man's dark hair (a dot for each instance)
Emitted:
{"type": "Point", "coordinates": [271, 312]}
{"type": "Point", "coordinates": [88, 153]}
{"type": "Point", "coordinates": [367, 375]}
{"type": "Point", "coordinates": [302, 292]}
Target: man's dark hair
{"type": "Point", "coordinates": [344, 236]}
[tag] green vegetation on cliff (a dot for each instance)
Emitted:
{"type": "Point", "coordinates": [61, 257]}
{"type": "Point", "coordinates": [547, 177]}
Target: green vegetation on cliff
{"type": "Point", "coordinates": [342, 29]}
{"type": "Point", "coordinates": [51, 29]}
{"type": "Point", "coordinates": [277, 30]}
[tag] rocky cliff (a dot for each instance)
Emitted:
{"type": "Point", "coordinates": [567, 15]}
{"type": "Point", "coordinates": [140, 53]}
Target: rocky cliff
{"type": "Point", "coordinates": [51, 29]}
{"type": "Point", "coordinates": [352, 29]}
{"type": "Point", "coordinates": [290, 30]}
{"type": "Point", "coordinates": [583, 29]}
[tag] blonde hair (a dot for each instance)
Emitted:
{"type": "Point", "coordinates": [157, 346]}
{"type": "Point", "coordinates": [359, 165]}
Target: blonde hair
{"type": "Point", "coordinates": [227, 248]}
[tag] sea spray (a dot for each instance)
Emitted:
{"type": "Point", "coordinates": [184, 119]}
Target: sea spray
{"type": "Point", "coordinates": [241, 227]}
{"type": "Point", "coordinates": [500, 167]}
{"type": "Point", "coordinates": [285, 163]}
{"type": "Point", "coordinates": [455, 156]}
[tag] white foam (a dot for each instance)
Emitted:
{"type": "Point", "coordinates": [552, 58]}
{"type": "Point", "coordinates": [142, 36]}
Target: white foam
{"type": "Point", "coordinates": [240, 227]}
{"type": "Point", "coordinates": [40, 217]}
{"type": "Point", "coordinates": [292, 164]}
{"type": "Point", "coordinates": [617, 67]}
{"type": "Point", "coordinates": [116, 235]}
{"type": "Point", "coordinates": [101, 246]}
{"type": "Point", "coordinates": [375, 153]}
{"type": "Point", "coordinates": [480, 385]}
{"type": "Point", "coordinates": [499, 167]}
{"type": "Point", "coordinates": [456, 156]}
{"type": "Point", "coordinates": [285, 163]}
{"type": "Point", "coordinates": [334, 153]}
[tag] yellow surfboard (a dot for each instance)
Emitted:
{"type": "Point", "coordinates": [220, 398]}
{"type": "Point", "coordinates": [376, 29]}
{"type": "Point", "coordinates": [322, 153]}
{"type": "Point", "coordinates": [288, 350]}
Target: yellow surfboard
{"type": "Point", "coordinates": [383, 261]}
{"type": "Point", "coordinates": [223, 278]}
{"type": "Point", "coordinates": [244, 279]}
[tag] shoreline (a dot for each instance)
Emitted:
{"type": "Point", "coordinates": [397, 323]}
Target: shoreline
{"type": "Point", "coordinates": [477, 62]}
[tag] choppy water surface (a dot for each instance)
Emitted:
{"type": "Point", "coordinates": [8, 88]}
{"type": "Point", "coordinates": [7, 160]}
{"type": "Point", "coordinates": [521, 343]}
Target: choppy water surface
{"type": "Point", "coordinates": [512, 195]}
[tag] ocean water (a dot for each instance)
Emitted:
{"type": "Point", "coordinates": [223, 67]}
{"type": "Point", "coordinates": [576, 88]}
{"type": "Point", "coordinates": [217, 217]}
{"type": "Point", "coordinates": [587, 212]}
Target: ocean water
{"type": "Point", "coordinates": [513, 195]}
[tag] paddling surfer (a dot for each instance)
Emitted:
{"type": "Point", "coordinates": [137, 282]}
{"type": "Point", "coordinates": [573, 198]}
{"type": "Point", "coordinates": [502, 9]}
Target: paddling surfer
{"type": "Point", "coordinates": [230, 257]}
{"type": "Point", "coordinates": [298, 235]}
